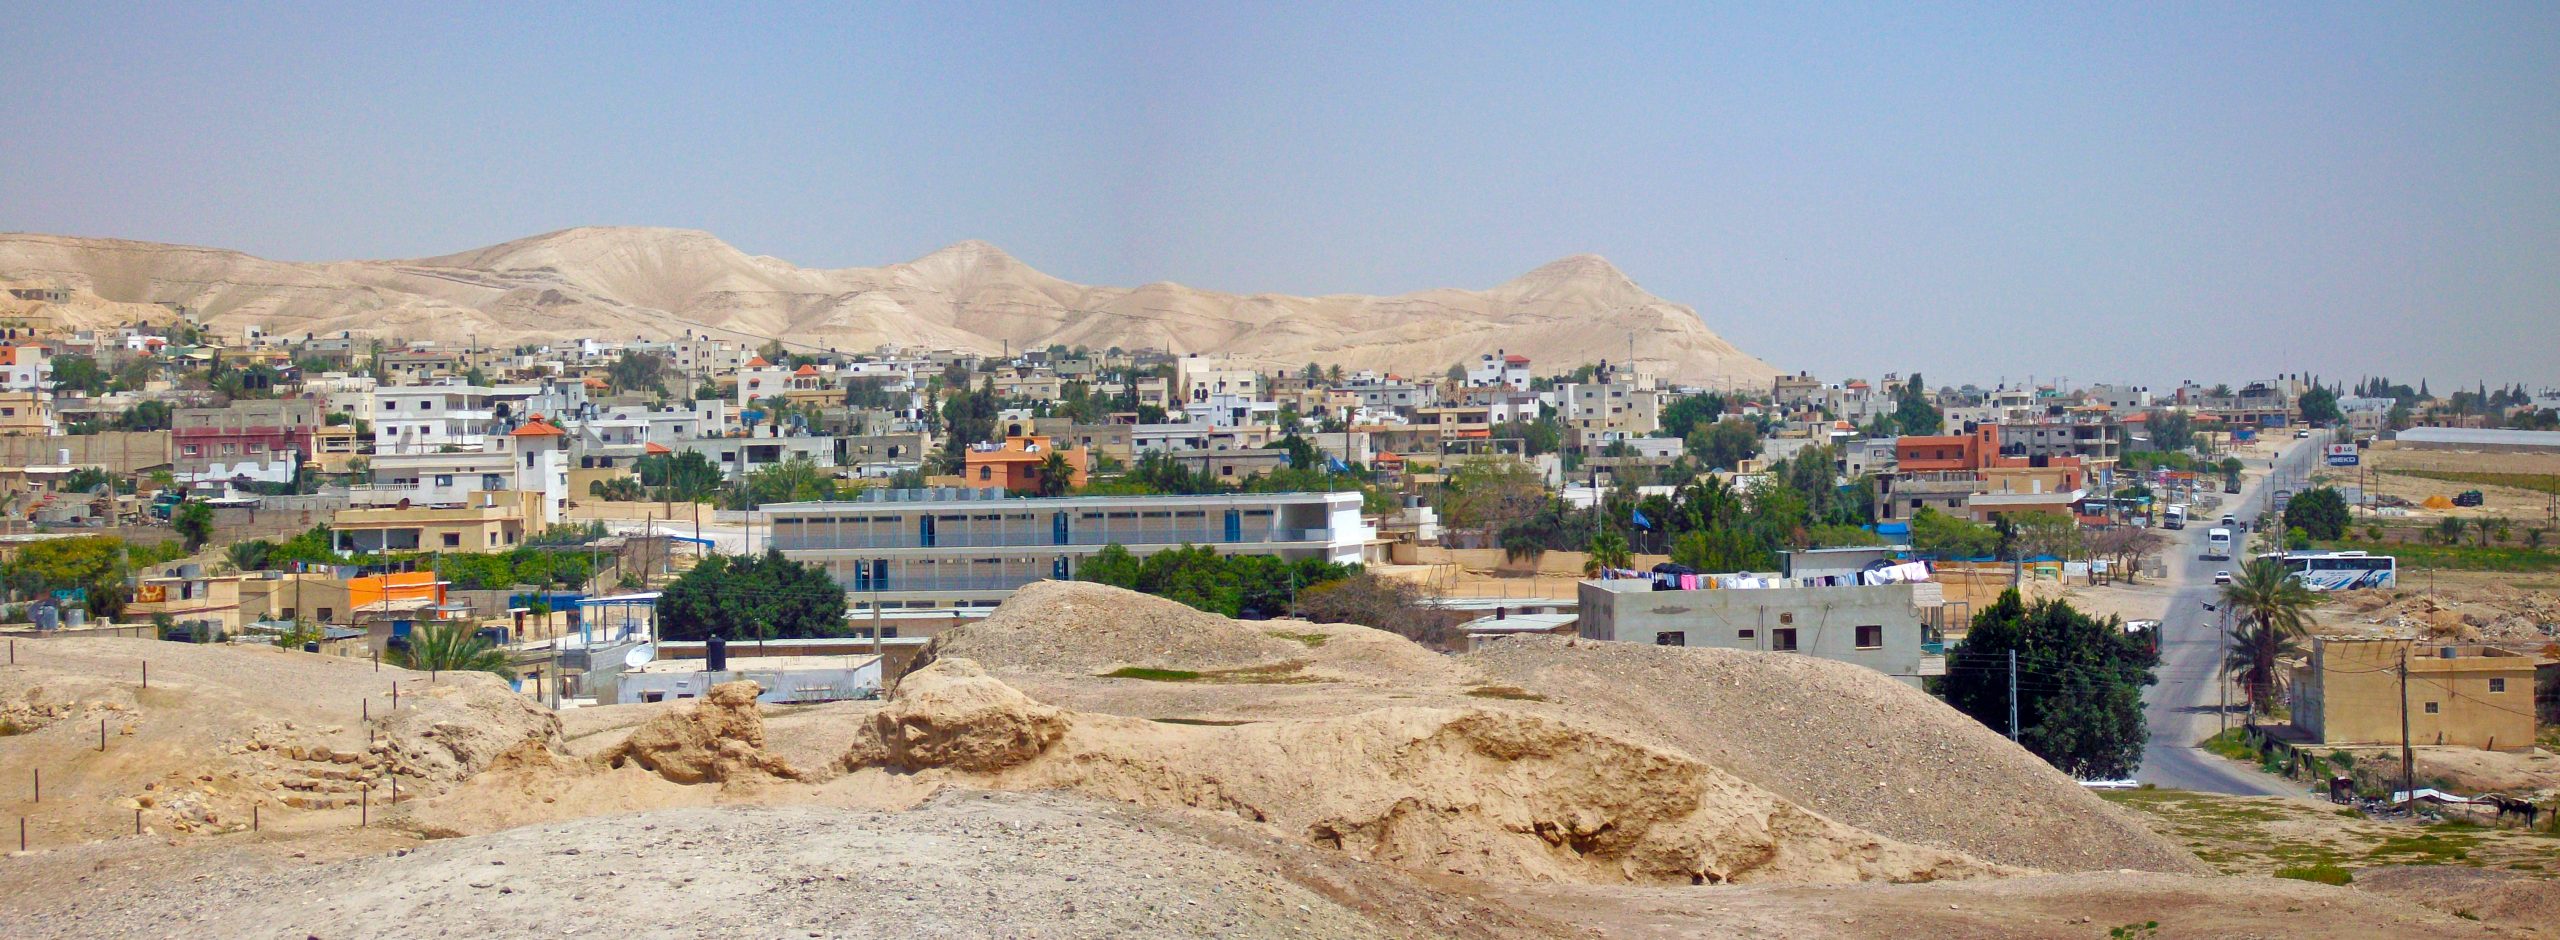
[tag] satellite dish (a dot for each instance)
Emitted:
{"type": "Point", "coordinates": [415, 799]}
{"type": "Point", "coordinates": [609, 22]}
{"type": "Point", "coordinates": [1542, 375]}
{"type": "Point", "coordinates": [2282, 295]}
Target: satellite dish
{"type": "Point", "coordinates": [639, 656]}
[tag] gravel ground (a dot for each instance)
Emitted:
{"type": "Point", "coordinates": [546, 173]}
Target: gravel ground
{"type": "Point", "coordinates": [962, 865]}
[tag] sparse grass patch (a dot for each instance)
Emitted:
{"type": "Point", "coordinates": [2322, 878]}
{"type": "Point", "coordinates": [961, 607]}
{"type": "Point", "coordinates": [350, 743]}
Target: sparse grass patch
{"type": "Point", "coordinates": [1276, 673]}
{"type": "Point", "coordinates": [1311, 640]}
{"type": "Point", "coordinates": [1506, 692]}
{"type": "Point", "coordinates": [2323, 873]}
{"type": "Point", "coordinates": [2427, 849]}
{"type": "Point", "coordinates": [2232, 744]}
{"type": "Point", "coordinates": [1152, 675]}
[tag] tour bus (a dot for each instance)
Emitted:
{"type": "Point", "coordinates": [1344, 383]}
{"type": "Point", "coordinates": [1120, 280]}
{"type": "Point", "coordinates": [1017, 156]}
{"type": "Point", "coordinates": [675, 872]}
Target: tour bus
{"type": "Point", "coordinates": [2174, 517]}
{"type": "Point", "coordinates": [2217, 544]}
{"type": "Point", "coordinates": [2339, 571]}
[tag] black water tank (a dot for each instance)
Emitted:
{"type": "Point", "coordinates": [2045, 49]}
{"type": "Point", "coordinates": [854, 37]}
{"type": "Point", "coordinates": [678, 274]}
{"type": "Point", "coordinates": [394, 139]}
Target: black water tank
{"type": "Point", "coordinates": [715, 654]}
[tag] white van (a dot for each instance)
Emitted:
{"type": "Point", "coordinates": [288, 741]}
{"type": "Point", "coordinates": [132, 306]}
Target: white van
{"type": "Point", "coordinates": [2217, 544]}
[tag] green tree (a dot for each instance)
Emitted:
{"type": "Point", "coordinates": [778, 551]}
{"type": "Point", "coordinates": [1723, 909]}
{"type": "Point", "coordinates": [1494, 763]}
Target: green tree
{"type": "Point", "coordinates": [1688, 413]}
{"type": "Point", "coordinates": [146, 416]}
{"type": "Point", "coordinates": [2270, 606]}
{"type": "Point", "coordinates": [2320, 406]}
{"type": "Point", "coordinates": [638, 371]}
{"type": "Point", "coordinates": [453, 646]}
{"type": "Point", "coordinates": [2079, 688]}
{"type": "Point", "coordinates": [1944, 536]}
{"type": "Point", "coordinates": [78, 374]}
{"type": "Point", "coordinates": [1608, 550]}
{"type": "Point", "coordinates": [688, 476]}
{"type": "Point", "coordinates": [1725, 444]}
{"type": "Point", "coordinates": [1914, 413]}
{"type": "Point", "coordinates": [1056, 475]}
{"type": "Point", "coordinates": [767, 597]}
{"type": "Point", "coordinates": [2320, 512]}
{"type": "Point", "coordinates": [798, 479]}
{"type": "Point", "coordinates": [194, 522]}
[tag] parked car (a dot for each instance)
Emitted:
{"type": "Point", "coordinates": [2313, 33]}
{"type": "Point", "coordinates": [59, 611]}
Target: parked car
{"type": "Point", "coordinates": [2468, 498]}
{"type": "Point", "coordinates": [2299, 434]}
{"type": "Point", "coordinates": [2222, 577]}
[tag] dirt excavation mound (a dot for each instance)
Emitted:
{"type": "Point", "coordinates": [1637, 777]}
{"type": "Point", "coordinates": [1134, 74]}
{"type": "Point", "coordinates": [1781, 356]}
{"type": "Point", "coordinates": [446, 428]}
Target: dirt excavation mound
{"type": "Point", "coordinates": [1473, 791]}
{"type": "Point", "coordinates": [221, 729]}
{"type": "Point", "coordinates": [1843, 741]}
{"type": "Point", "coordinates": [1083, 629]}
{"type": "Point", "coordinates": [717, 738]}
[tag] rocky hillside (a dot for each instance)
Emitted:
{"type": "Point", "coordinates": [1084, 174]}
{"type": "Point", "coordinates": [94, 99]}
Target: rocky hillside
{"type": "Point", "coordinates": [648, 282]}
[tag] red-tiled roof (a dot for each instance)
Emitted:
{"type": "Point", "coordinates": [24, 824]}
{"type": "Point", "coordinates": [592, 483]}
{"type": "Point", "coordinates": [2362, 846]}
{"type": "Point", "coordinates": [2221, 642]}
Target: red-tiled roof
{"type": "Point", "coordinates": [806, 370]}
{"type": "Point", "coordinates": [535, 427]}
{"type": "Point", "coordinates": [758, 363]}
{"type": "Point", "coordinates": [654, 447]}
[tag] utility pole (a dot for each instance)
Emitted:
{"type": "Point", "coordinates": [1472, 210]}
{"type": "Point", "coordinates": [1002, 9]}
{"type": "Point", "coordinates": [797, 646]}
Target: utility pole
{"type": "Point", "coordinates": [2407, 785]}
{"type": "Point", "coordinates": [2013, 696]}
{"type": "Point", "coordinates": [2222, 680]}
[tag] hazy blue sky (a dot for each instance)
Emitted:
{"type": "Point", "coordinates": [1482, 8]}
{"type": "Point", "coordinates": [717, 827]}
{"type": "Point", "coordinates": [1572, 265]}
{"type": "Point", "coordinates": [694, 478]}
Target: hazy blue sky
{"type": "Point", "coordinates": [2191, 190]}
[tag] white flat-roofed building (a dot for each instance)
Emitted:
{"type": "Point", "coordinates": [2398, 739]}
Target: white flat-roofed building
{"type": "Point", "coordinates": [956, 547]}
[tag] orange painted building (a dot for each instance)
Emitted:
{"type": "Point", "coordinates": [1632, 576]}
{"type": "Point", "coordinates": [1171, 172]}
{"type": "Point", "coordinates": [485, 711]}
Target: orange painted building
{"type": "Point", "coordinates": [383, 590]}
{"type": "Point", "coordinates": [1977, 448]}
{"type": "Point", "coordinates": [1015, 464]}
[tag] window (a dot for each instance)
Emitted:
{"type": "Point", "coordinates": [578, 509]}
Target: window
{"type": "Point", "coordinates": [1747, 634]}
{"type": "Point", "coordinates": [2497, 685]}
{"type": "Point", "coordinates": [327, 614]}
{"type": "Point", "coordinates": [257, 447]}
{"type": "Point", "coordinates": [194, 451]}
{"type": "Point", "coordinates": [1783, 639]}
{"type": "Point", "coordinates": [453, 540]}
{"type": "Point", "coordinates": [444, 479]}
{"type": "Point", "coordinates": [986, 472]}
{"type": "Point", "coordinates": [229, 449]}
{"type": "Point", "coordinates": [1672, 638]}
{"type": "Point", "coordinates": [1871, 637]}
{"type": "Point", "coordinates": [2431, 708]}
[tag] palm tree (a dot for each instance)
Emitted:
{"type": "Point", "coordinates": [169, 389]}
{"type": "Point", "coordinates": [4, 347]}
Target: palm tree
{"type": "Point", "coordinates": [453, 647]}
{"type": "Point", "coordinates": [2275, 611]}
{"type": "Point", "coordinates": [2252, 655]}
{"type": "Point", "coordinates": [2449, 530]}
{"type": "Point", "coordinates": [1608, 550]}
{"type": "Point", "coordinates": [1055, 476]}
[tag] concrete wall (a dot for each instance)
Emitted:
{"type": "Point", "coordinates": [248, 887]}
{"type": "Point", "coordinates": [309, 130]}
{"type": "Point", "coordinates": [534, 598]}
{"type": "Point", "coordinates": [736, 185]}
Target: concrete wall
{"type": "Point", "coordinates": [119, 451]}
{"type": "Point", "coordinates": [1824, 621]}
{"type": "Point", "coordinates": [2349, 693]}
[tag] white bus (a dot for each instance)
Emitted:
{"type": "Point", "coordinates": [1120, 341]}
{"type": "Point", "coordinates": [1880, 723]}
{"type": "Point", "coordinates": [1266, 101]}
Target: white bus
{"type": "Point", "coordinates": [2217, 544]}
{"type": "Point", "coordinates": [2339, 571]}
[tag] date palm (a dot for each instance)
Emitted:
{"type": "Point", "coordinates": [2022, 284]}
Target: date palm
{"type": "Point", "coordinates": [453, 647]}
{"type": "Point", "coordinates": [2274, 611]}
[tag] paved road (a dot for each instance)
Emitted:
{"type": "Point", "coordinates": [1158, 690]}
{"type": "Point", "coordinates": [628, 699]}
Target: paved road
{"type": "Point", "coordinates": [2181, 709]}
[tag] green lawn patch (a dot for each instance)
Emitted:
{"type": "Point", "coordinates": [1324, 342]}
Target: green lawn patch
{"type": "Point", "coordinates": [1312, 640]}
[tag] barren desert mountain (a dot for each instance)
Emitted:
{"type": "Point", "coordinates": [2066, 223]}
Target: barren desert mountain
{"type": "Point", "coordinates": [621, 283]}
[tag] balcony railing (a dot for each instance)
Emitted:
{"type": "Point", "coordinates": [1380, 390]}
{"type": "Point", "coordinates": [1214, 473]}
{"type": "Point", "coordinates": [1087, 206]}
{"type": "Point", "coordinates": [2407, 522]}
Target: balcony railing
{"type": "Point", "coordinates": [1152, 535]}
